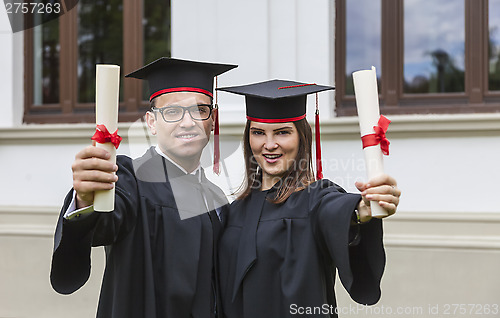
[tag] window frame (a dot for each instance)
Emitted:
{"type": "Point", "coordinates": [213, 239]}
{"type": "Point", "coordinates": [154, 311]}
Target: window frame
{"type": "Point", "coordinates": [475, 99]}
{"type": "Point", "coordinates": [69, 110]}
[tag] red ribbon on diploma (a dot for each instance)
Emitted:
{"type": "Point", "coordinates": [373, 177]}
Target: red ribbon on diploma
{"type": "Point", "coordinates": [379, 136]}
{"type": "Point", "coordinates": [102, 135]}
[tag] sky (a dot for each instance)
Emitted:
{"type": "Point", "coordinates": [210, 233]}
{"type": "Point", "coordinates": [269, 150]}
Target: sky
{"type": "Point", "coordinates": [363, 35]}
{"type": "Point", "coordinates": [428, 25]}
{"type": "Point", "coordinates": [494, 20]}
{"type": "Point", "coordinates": [431, 25]}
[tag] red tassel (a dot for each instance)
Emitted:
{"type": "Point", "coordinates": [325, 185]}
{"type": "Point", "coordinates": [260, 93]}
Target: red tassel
{"type": "Point", "coordinates": [319, 166]}
{"type": "Point", "coordinates": [216, 145]}
{"type": "Point", "coordinates": [216, 136]}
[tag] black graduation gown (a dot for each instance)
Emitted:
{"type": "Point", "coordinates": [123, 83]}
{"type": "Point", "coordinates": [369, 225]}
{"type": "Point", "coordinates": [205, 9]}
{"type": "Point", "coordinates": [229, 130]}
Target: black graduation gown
{"type": "Point", "coordinates": [157, 265]}
{"type": "Point", "coordinates": [280, 260]}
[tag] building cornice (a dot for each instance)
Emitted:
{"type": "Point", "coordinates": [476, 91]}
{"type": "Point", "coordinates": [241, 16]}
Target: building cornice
{"type": "Point", "coordinates": [402, 126]}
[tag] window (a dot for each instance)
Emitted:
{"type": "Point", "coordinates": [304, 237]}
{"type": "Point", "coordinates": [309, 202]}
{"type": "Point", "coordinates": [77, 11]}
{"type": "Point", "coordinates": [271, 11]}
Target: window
{"type": "Point", "coordinates": [494, 46]}
{"type": "Point", "coordinates": [60, 57]}
{"type": "Point", "coordinates": [432, 56]}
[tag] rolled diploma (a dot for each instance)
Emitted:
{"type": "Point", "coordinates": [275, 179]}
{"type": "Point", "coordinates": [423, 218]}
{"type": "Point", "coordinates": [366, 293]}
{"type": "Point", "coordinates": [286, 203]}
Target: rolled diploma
{"type": "Point", "coordinates": [106, 110]}
{"type": "Point", "coordinates": [365, 89]}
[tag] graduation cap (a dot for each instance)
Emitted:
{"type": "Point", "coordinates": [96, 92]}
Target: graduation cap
{"type": "Point", "coordinates": [168, 75]}
{"type": "Point", "coordinates": [280, 101]}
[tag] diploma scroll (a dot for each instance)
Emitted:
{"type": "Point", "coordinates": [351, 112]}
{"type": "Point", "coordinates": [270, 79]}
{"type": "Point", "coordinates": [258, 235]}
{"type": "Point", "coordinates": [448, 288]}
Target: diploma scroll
{"type": "Point", "coordinates": [106, 109]}
{"type": "Point", "coordinates": [365, 89]}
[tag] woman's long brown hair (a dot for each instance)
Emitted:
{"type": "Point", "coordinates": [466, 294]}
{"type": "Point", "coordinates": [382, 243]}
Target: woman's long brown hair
{"type": "Point", "coordinates": [296, 178]}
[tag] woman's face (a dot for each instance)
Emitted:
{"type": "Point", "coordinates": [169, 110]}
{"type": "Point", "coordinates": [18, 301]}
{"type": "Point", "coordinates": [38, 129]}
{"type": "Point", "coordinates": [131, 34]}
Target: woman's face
{"type": "Point", "coordinates": [274, 146]}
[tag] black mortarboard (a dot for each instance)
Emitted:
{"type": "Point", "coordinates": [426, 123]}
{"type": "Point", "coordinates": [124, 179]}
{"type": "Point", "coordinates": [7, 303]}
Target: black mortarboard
{"type": "Point", "coordinates": [279, 101]}
{"type": "Point", "coordinates": [167, 75]}
{"type": "Point", "coordinates": [276, 101]}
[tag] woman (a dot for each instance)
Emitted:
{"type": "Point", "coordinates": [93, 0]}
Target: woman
{"type": "Point", "coordinates": [286, 233]}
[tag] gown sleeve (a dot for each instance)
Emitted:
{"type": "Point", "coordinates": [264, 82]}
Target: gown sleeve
{"type": "Point", "coordinates": [73, 239]}
{"type": "Point", "coordinates": [361, 266]}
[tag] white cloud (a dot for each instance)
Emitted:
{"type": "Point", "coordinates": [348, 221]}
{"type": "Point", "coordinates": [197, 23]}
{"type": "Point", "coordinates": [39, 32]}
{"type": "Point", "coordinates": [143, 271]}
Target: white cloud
{"type": "Point", "coordinates": [494, 20]}
{"type": "Point", "coordinates": [431, 25]}
{"type": "Point", "coordinates": [428, 25]}
{"type": "Point", "coordinates": [363, 34]}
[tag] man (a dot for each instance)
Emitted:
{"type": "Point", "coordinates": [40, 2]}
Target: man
{"type": "Point", "coordinates": [159, 240]}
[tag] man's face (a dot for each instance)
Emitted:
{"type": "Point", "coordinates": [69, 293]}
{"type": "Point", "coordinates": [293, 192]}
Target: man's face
{"type": "Point", "coordinates": [184, 140]}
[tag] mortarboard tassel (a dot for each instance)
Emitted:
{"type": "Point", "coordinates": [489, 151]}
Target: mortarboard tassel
{"type": "Point", "coordinates": [216, 135]}
{"type": "Point", "coordinates": [319, 166]}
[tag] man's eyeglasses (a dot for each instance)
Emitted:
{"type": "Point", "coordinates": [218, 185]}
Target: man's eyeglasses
{"type": "Point", "coordinates": [172, 114]}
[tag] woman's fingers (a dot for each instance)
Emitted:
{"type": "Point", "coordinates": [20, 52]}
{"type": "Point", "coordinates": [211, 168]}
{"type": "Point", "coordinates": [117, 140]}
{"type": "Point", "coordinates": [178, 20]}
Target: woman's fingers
{"type": "Point", "coordinates": [383, 189]}
{"type": "Point", "coordinates": [364, 211]}
{"type": "Point", "coordinates": [383, 179]}
{"type": "Point", "coordinates": [389, 207]}
{"type": "Point", "coordinates": [361, 186]}
{"type": "Point", "coordinates": [383, 197]}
